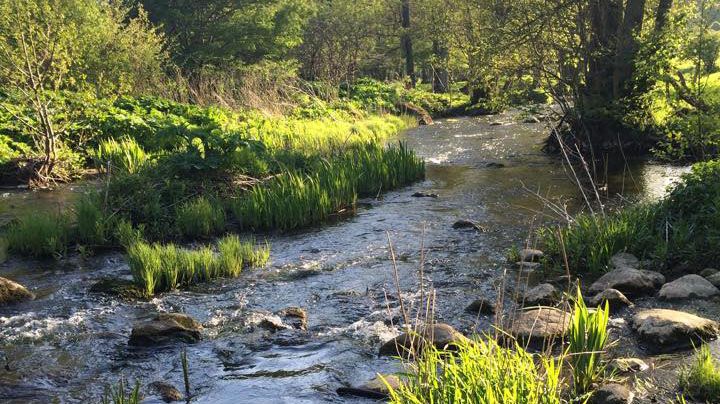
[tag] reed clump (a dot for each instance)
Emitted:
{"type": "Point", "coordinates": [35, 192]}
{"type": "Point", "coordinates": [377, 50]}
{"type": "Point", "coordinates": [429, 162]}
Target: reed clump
{"type": "Point", "coordinates": [39, 235]}
{"type": "Point", "coordinates": [200, 217]}
{"type": "Point", "coordinates": [159, 268]}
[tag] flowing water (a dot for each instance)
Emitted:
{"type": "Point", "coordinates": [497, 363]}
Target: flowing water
{"type": "Point", "coordinates": [69, 344]}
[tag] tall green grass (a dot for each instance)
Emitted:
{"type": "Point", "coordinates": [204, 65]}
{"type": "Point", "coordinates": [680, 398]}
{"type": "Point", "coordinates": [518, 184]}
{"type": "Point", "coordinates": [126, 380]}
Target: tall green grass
{"type": "Point", "coordinates": [160, 268]}
{"type": "Point", "coordinates": [39, 235]}
{"type": "Point", "coordinates": [586, 342]}
{"type": "Point", "coordinates": [294, 199]}
{"type": "Point", "coordinates": [481, 372]}
{"type": "Point", "coordinates": [126, 155]}
{"type": "Point", "coordinates": [200, 218]}
{"type": "Point", "coordinates": [94, 225]}
{"type": "Point", "coordinates": [684, 227]}
{"type": "Point", "coordinates": [119, 395]}
{"type": "Point", "coordinates": [701, 379]}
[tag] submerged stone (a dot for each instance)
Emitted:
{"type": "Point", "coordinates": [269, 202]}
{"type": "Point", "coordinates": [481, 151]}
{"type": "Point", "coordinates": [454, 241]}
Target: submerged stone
{"type": "Point", "coordinates": [165, 328]}
{"type": "Point", "coordinates": [481, 306]}
{"type": "Point", "coordinates": [468, 224]}
{"type": "Point", "coordinates": [12, 292]}
{"type": "Point", "coordinates": [424, 195]}
{"type": "Point", "coordinates": [167, 391]}
{"type": "Point", "coordinates": [117, 287]}
{"type": "Point", "coordinates": [295, 317]}
{"type": "Point", "coordinates": [375, 388]}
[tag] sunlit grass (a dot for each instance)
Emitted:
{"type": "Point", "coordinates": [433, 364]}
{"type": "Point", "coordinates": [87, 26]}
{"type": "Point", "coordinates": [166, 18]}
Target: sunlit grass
{"type": "Point", "coordinates": [587, 337]}
{"type": "Point", "coordinates": [481, 372]}
{"type": "Point", "coordinates": [200, 217]}
{"type": "Point", "coordinates": [701, 379]}
{"type": "Point", "coordinates": [39, 234]}
{"type": "Point", "coordinates": [160, 268]}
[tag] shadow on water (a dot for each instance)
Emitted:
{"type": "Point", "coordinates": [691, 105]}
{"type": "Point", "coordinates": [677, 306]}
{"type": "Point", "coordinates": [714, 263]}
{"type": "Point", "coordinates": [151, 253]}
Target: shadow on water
{"type": "Point", "coordinates": [69, 343]}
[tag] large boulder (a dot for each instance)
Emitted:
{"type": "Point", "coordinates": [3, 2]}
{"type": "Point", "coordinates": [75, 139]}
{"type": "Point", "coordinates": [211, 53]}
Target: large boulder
{"type": "Point", "coordinates": [624, 260]}
{"type": "Point", "coordinates": [630, 281]}
{"type": "Point", "coordinates": [540, 324]}
{"type": "Point", "coordinates": [612, 393]}
{"type": "Point", "coordinates": [442, 336]}
{"type": "Point", "coordinates": [165, 328]}
{"type": "Point", "coordinates": [615, 299]}
{"type": "Point", "coordinates": [667, 330]}
{"type": "Point", "coordinates": [688, 287]}
{"type": "Point", "coordinates": [13, 292]}
{"type": "Point", "coordinates": [544, 294]}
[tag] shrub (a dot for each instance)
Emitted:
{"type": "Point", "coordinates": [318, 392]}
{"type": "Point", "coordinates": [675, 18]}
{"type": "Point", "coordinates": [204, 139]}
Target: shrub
{"type": "Point", "coordinates": [701, 379]}
{"type": "Point", "coordinates": [39, 235]}
{"type": "Point", "coordinates": [200, 218]}
{"type": "Point", "coordinates": [586, 341]}
{"type": "Point", "coordinates": [480, 372]}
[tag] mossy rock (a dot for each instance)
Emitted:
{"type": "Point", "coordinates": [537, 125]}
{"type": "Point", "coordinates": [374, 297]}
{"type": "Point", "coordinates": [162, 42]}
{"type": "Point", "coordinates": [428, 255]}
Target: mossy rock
{"type": "Point", "coordinates": [122, 288]}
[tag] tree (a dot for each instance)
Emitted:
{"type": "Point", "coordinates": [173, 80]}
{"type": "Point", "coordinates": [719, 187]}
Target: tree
{"type": "Point", "coordinates": [406, 42]}
{"type": "Point", "coordinates": [50, 46]}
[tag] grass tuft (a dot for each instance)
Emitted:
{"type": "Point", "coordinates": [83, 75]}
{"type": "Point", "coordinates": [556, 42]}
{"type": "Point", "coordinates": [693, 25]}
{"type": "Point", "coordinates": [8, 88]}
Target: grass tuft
{"type": "Point", "coordinates": [701, 380]}
{"type": "Point", "coordinates": [200, 218]}
{"type": "Point", "coordinates": [586, 341]}
{"type": "Point", "coordinates": [480, 372]}
{"type": "Point", "coordinates": [159, 268]}
{"type": "Point", "coordinates": [39, 235]}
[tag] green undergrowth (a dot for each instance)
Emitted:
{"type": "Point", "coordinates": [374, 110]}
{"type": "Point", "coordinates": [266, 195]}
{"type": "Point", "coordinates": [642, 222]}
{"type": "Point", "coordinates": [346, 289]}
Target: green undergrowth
{"type": "Point", "coordinates": [160, 268]}
{"type": "Point", "coordinates": [681, 229]}
{"type": "Point", "coordinates": [185, 172]}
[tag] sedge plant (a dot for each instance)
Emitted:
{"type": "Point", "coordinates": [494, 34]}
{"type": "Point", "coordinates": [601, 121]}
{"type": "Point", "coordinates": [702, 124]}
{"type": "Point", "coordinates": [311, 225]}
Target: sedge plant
{"type": "Point", "coordinates": [701, 378]}
{"type": "Point", "coordinates": [587, 338]}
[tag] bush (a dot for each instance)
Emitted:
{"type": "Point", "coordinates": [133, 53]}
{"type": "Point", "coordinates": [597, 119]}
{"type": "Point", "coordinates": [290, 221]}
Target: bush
{"type": "Point", "coordinates": [481, 372]}
{"type": "Point", "coordinates": [39, 235]}
{"type": "Point", "coordinates": [200, 218]}
{"type": "Point", "coordinates": [701, 379]}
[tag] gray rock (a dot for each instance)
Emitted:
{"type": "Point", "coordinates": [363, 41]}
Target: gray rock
{"type": "Point", "coordinates": [615, 299]}
{"type": "Point", "coordinates": [544, 294]}
{"type": "Point", "coordinates": [707, 272]}
{"type": "Point", "coordinates": [631, 282]}
{"type": "Point", "coordinates": [624, 260]}
{"type": "Point", "coordinates": [13, 292]}
{"type": "Point", "coordinates": [441, 335]}
{"type": "Point", "coordinates": [612, 393]}
{"type": "Point", "coordinates": [481, 306]}
{"type": "Point", "coordinates": [714, 279]}
{"type": "Point", "coordinates": [540, 324]}
{"type": "Point", "coordinates": [266, 321]}
{"type": "Point", "coordinates": [165, 328]}
{"type": "Point", "coordinates": [295, 317]}
{"type": "Point", "coordinates": [167, 391]}
{"type": "Point", "coordinates": [668, 330]}
{"type": "Point", "coordinates": [375, 388]}
{"type": "Point", "coordinates": [628, 365]}
{"type": "Point", "coordinates": [530, 255]}
{"type": "Point", "coordinates": [688, 287]}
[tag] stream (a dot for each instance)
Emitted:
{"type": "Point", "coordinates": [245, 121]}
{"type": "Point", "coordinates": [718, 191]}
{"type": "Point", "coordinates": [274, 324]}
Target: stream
{"type": "Point", "coordinates": [69, 344]}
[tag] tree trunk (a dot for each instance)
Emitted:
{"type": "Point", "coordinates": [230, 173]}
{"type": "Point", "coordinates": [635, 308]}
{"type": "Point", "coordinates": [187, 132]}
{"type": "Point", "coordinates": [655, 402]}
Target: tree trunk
{"type": "Point", "coordinates": [440, 82]}
{"type": "Point", "coordinates": [661, 15]}
{"type": "Point", "coordinates": [605, 17]}
{"type": "Point", "coordinates": [627, 47]}
{"type": "Point", "coordinates": [406, 43]}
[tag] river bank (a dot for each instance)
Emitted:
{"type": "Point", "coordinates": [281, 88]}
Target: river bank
{"type": "Point", "coordinates": [70, 343]}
